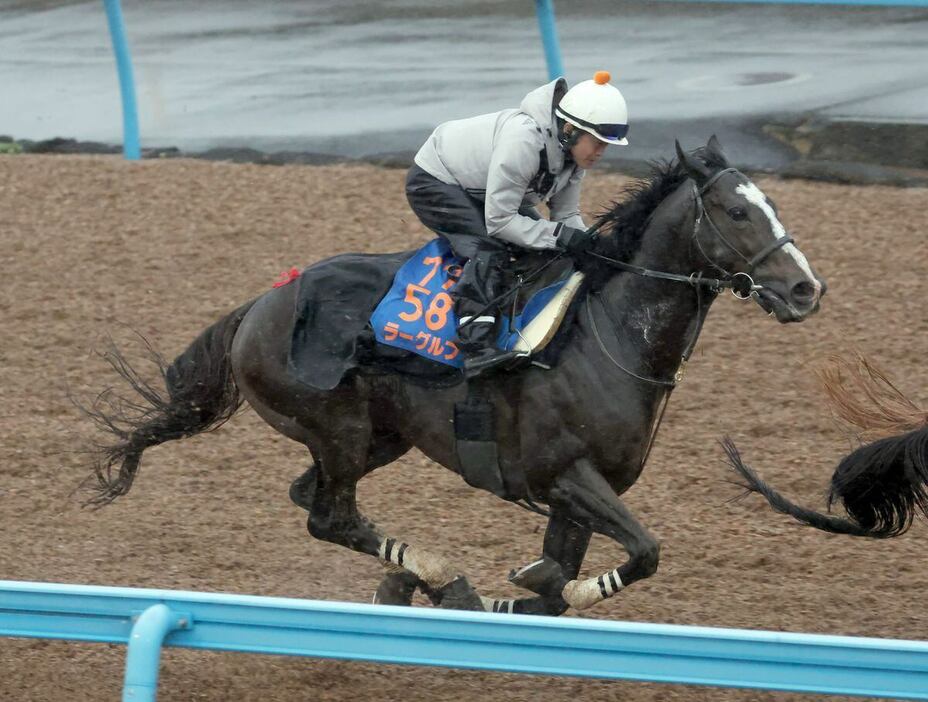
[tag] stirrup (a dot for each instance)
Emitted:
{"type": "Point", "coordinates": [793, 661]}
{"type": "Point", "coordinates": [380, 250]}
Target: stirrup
{"type": "Point", "coordinates": [481, 364]}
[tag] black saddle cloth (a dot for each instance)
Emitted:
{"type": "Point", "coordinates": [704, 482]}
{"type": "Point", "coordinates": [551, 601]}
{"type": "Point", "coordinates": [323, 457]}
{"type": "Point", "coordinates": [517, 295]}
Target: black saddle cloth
{"type": "Point", "coordinates": [334, 302]}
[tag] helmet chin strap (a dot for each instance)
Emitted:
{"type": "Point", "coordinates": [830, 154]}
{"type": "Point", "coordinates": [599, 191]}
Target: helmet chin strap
{"type": "Point", "coordinates": [567, 141]}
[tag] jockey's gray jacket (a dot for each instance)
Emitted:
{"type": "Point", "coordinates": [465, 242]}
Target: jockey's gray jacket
{"type": "Point", "coordinates": [510, 159]}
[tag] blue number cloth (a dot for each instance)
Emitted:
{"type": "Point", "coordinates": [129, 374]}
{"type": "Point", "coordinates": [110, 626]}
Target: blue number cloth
{"type": "Point", "coordinates": [417, 313]}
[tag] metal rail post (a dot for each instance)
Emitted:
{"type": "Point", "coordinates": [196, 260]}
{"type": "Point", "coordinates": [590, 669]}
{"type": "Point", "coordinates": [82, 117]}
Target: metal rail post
{"type": "Point", "coordinates": [144, 655]}
{"type": "Point", "coordinates": [130, 119]}
{"type": "Point", "coordinates": [548, 29]}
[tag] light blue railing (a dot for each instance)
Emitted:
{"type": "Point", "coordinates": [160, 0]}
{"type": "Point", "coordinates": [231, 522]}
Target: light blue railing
{"type": "Point", "coordinates": [131, 148]}
{"type": "Point", "coordinates": [142, 619]}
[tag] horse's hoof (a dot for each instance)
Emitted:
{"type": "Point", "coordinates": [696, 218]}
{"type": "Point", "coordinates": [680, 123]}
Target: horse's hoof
{"type": "Point", "coordinates": [396, 589]}
{"type": "Point", "coordinates": [303, 488]}
{"type": "Point", "coordinates": [543, 577]}
{"type": "Point", "coordinates": [458, 594]}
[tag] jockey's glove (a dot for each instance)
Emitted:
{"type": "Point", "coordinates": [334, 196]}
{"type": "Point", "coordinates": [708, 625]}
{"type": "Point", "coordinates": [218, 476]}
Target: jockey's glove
{"type": "Point", "coordinates": [575, 241]}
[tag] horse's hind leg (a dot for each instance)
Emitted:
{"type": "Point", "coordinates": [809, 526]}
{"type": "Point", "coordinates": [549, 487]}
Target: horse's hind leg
{"type": "Point", "coordinates": [384, 447]}
{"type": "Point", "coordinates": [303, 488]}
{"type": "Point", "coordinates": [328, 491]}
{"type": "Point", "coordinates": [398, 585]}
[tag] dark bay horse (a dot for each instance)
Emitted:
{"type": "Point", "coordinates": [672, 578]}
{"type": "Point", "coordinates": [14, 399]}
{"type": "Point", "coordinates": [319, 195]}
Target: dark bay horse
{"type": "Point", "coordinates": [579, 432]}
{"type": "Point", "coordinates": [882, 485]}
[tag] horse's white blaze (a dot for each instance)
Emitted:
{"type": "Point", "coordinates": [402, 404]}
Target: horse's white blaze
{"type": "Point", "coordinates": [755, 196]}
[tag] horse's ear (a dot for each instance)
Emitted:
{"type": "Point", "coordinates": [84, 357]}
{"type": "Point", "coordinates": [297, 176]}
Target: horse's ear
{"type": "Point", "coordinates": [696, 169]}
{"type": "Point", "coordinates": [715, 152]}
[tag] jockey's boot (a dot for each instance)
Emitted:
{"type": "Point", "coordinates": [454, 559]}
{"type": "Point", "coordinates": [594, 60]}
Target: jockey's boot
{"type": "Point", "coordinates": [477, 339]}
{"type": "Point", "coordinates": [479, 286]}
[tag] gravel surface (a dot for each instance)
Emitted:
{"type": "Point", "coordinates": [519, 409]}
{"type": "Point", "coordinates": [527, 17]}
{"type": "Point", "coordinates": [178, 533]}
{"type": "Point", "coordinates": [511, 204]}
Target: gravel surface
{"type": "Point", "coordinates": [91, 245]}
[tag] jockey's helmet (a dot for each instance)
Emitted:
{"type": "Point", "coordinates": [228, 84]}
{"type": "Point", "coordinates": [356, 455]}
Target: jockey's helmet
{"type": "Point", "coordinates": [596, 107]}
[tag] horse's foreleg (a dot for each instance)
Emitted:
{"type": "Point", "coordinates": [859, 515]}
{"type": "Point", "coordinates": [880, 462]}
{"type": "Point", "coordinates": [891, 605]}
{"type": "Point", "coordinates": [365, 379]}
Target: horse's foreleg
{"type": "Point", "coordinates": [585, 495]}
{"type": "Point", "coordinates": [565, 545]}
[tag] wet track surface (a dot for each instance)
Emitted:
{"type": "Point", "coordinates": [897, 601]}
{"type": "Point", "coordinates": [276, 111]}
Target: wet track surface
{"type": "Point", "coordinates": [359, 79]}
{"type": "Point", "coordinates": [96, 246]}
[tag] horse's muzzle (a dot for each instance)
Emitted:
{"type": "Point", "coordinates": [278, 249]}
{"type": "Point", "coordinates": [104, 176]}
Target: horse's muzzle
{"type": "Point", "coordinates": [791, 303]}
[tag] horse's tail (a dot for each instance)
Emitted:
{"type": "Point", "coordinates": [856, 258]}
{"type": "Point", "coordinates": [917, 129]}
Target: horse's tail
{"type": "Point", "coordinates": [862, 395]}
{"type": "Point", "coordinates": [882, 486]}
{"type": "Point", "coordinates": [201, 396]}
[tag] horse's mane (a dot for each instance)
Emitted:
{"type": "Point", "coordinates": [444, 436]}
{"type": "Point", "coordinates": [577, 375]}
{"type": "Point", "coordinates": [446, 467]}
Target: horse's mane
{"type": "Point", "coordinates": [625, 220]}
{"type": "Point", "coordinates": [624, 225]}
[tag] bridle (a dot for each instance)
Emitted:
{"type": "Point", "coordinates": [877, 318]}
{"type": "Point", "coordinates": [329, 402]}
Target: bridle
{"type": "Point", "coordinates": [752, 262]}
{"type": "Point", "coordinates": [740, 283]}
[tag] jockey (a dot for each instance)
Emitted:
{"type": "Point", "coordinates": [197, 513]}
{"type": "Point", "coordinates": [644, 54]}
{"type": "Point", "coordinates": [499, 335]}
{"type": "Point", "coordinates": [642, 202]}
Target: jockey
{"type": "Point", "coordinates": [476, 182]}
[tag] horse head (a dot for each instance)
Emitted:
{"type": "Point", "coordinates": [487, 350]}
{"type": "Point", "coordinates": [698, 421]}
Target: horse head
{"type": "Point", "coordinates": [738, 233]}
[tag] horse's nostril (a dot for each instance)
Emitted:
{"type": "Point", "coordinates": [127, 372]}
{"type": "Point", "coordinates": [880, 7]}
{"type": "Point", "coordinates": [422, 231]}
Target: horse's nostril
{"type": "Point", "coordinates": [803, 293]}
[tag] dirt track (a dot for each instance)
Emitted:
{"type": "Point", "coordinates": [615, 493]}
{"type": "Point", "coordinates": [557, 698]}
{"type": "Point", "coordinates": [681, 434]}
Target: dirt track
{"type": "Point", "coordinates": [90, 244]}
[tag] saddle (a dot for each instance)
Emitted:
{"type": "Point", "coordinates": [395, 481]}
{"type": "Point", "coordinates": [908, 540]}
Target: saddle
{"type": "Point", "coordinates": [357, 312]}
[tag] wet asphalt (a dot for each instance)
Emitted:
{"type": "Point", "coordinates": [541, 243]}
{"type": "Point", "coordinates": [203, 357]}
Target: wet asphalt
{"type": "Point", "coordinates": [360, 79]}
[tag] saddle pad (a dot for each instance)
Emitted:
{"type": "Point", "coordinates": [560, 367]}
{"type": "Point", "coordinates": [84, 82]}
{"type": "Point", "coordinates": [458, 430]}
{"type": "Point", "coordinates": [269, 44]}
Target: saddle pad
{"type": "Point", "coordinates": [417, 314]}
{"type": "Point", "coordinates": [543, 315]}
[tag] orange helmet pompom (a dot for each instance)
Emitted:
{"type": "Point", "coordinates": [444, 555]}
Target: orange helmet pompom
{"type": "Point", "coordinates": [602, 77]}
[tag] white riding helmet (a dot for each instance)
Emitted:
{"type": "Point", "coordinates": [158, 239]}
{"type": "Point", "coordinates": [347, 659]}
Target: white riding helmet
{"type": "Point", "coordinates": [596, 107]}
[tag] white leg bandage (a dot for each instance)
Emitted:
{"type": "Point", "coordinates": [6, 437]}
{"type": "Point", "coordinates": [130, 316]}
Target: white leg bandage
{"type": "Point", "coordinates": [434, 570]}
{"type": "Point", "coordinates": [392, 568]}
{"type": "Point", "coordinates": [581, 594]}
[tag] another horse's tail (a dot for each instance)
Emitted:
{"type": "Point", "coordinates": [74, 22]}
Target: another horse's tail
{"type": "Point", "coordinates": [882, 486]}
{"type": "Point", "coordinates": [201, 396]}
{"type": "Point", "coordinates": [862, 395]}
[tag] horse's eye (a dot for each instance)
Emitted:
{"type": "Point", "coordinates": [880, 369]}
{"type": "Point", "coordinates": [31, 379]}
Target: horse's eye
{"type": "Point", "coordinates": [738, 213]}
